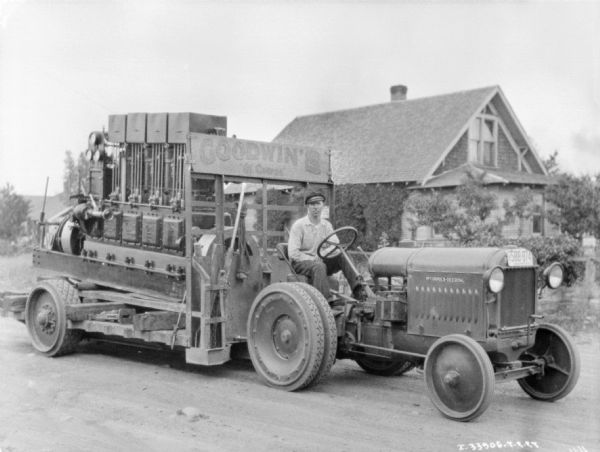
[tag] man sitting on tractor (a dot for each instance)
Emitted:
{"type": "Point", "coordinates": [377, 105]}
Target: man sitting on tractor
{"type": "Point", "coordinates": [306, 235]}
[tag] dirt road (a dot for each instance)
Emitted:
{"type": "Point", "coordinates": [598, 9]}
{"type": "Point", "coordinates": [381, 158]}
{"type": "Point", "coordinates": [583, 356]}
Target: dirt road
{"type": "Point", "coordinates": [119, 398]}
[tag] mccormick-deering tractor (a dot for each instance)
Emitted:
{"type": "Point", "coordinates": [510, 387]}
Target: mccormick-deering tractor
{"type": "Point", "coordinates": [160, 248]}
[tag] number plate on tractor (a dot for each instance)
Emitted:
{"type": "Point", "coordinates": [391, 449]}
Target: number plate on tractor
{"type": "Point", "coordinates": [519, 257]}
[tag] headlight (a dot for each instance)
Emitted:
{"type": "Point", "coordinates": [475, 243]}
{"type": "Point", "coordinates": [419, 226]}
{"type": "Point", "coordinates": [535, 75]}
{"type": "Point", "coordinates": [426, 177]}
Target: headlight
{"type": "Point", "coordinates": [554, 275]}
{"type": "Point", "coordinates": [495, 280]}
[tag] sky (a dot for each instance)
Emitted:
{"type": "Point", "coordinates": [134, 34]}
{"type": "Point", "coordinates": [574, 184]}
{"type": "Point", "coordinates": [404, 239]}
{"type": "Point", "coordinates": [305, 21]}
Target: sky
{"type": "Point", "coordinates": [66, 65]}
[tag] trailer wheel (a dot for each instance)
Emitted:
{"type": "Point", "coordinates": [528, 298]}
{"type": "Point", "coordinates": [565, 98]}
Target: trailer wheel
{"type": "Point", "coordinates": [460, 377]}
{"type": "Point", "coordinates": [555, 347]}
{"type": "Point", "coordinates": [330, 331]}
{"type": "Point", "coordinates": [46, 318]}
{"type": "Point", "coordinates": [286, 337]}
{"type": "Point", "coordinates": [384, 367]}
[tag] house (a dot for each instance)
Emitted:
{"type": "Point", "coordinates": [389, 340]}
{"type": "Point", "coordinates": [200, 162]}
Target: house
{"type": "Point", "coordinates": [430, 143]}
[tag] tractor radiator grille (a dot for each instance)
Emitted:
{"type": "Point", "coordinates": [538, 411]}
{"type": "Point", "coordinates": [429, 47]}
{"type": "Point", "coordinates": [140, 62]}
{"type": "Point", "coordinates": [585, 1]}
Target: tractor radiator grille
{"type": "Point", "coordinates": [446, 303]}
{"type": "Point", "coordinates": [517, 299]}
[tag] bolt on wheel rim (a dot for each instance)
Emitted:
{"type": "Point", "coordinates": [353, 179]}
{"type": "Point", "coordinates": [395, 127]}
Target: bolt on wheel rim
{"type": "Point", "coordinates": [285, 336]}
{"type": "Point", "coordinates": [44, 321]}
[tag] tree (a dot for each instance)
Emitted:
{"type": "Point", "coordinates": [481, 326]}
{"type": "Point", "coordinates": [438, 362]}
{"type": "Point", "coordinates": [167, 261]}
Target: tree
{"type": "Point", "coordinates": [430, 209]}
{"type": "Point", "coordinates": [575, 205]}
{"type": "Point", "coordinates": [521, 209]}
{"type": "Point", "coordinates": [463, 216]}
{"type": "Point", "coordinates": [473, 197]}
{"type": "Point", "coordinates": [472, 219]}
{"type": "Point", "coordinates": [14, 210]}
{"type": "Point", "coordinates": [551, 164]}
{"type": "Point", "coordinates": [75, 176]}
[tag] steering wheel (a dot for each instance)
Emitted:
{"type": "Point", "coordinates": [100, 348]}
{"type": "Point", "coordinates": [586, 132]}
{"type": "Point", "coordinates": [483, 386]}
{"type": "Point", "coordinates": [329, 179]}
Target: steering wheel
{"type": "Point", "coordinates": [334, 245]}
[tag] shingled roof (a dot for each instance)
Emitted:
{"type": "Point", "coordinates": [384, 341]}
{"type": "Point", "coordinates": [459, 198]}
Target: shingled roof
{"type": "Point", "coordinates": [398, 141]}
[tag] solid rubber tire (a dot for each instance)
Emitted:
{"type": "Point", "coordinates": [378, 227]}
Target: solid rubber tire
{"type": "Point", "coordinates": [61, 293]}
{"type": "Point", "coordinates": [262, 349]}
{"type": "Point", "coordinates": [330, 330]}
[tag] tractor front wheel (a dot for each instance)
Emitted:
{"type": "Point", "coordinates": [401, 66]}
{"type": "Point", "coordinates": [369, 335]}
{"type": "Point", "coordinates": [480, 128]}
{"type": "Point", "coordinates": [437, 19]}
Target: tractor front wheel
{"type": "Point", "coordinates": [460, 377]}
{"type": "Point", "coordinates": [555, 347]}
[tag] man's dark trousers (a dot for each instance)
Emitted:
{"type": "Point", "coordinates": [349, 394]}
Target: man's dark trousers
{"type": "Point", "coordinates": [318, 271]}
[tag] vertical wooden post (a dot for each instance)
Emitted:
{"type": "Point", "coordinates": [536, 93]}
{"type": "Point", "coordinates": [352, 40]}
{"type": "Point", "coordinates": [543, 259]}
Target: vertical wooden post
{"type": "Point", "coordinates": [265, 217]}
{"type": "Point", "coordinates": [189, 246]}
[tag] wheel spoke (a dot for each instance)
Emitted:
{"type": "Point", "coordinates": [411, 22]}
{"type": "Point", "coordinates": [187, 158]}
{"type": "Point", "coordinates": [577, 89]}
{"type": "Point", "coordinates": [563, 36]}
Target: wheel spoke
{"type": "Point", "coordinates": [559, 369]}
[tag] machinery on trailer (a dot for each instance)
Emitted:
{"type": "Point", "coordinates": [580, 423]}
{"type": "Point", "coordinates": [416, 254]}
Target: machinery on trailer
{"type": "Point", "coordinates": [156, 250]}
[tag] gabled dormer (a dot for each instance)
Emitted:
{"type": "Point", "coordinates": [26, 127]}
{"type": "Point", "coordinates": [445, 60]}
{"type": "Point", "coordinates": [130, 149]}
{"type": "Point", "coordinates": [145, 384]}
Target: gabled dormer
{"type": "Point", "coordinates": [492, 140]}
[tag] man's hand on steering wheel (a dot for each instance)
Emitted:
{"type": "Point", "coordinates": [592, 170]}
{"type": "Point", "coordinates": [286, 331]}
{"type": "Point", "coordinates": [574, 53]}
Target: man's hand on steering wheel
{"type": "Point", "coordinates": [328, 248]}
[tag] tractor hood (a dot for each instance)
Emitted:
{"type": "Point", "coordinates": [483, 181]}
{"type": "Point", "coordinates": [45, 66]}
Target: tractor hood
{"type": "Point", "coordinates": [401, 261]}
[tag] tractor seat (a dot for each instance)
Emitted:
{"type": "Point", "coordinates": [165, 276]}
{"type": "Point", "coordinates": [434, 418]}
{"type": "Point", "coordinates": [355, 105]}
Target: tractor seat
{"type": "Point", "coordinates": [282, 253]}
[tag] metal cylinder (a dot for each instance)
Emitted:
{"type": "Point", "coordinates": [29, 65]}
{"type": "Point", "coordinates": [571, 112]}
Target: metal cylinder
{"type": "Point", "coordinates": [391, 261]}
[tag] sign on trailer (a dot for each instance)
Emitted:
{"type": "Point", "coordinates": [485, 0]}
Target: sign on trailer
{"type": "Point", "coordinates": [234, 157]}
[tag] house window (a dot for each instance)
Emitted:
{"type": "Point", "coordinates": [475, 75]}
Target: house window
{"type": "Point", "coordinates": [536, 224]}
{"type": "Point", "coordinates": [483, 141]}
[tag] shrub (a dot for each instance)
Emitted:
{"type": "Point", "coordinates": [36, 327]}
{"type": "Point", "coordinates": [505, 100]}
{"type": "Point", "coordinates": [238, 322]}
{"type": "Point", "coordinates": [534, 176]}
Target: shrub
{"type": "Point", "coordinates": [13, 213]}
{"type": "Point", "coordinates": [372, 209]}
{"type": "Point", "coordinates": [563, 248]}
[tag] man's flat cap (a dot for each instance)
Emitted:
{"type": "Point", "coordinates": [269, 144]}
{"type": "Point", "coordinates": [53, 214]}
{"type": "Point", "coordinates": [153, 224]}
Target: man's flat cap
{"type": "Point", "coordinates": [314, 196]}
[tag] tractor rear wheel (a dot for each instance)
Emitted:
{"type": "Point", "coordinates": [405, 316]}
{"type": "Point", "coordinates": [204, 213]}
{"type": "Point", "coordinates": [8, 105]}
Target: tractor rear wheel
{"type": "Point", "coordinates": [46, 317]}
{"type": "Point", "coordinates": [460, 377]}
{"type": "Point", "coordinates": [286, 336]}
{"type": "Point", "coordinates": [555, 347]}
{"type": "Point", "coordinates": [330, 331]}
{"type": "Point", "coordinates": [384, 367]}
